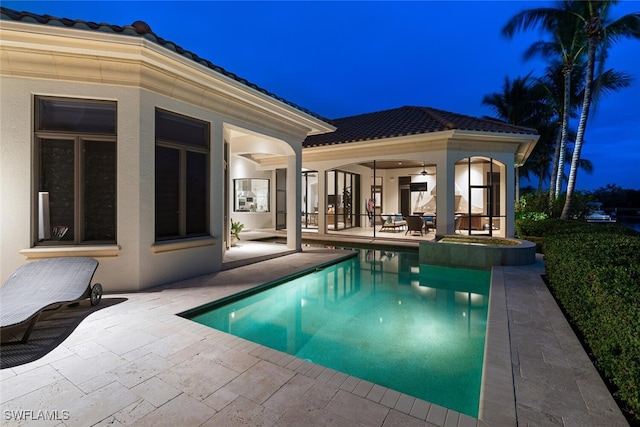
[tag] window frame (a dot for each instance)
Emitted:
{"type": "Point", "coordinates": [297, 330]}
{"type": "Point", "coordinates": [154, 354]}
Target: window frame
{"type": "Point", "coordinates": [183, 149]}
{"type": "Point", "coordinates": [79, 139]}
{"type": "Point", "coordinates": [237, 198]}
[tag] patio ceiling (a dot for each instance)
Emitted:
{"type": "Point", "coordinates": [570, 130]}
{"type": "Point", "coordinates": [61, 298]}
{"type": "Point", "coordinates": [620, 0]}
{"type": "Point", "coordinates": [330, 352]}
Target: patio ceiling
{"type": "Point", "coordinates": [396, 164]}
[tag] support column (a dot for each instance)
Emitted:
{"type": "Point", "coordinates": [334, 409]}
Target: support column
{"type": "Point", "coordinates": [445, 196]}
{"type": "Point", "coordinates": [322, 201]}
{"type": "Point", "coordinates": [510, 172]}
{"type": "Point", "coordinates": [294, 204]}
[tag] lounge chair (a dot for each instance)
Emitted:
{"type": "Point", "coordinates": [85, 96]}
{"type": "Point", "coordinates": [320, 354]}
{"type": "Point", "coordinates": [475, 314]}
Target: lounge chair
{"type": "Point", "coordinates": [392, 221]}
{"type": "Point", "coordinates": [414, 224]}
{"type": "Point", "coordinates": [39, 285]}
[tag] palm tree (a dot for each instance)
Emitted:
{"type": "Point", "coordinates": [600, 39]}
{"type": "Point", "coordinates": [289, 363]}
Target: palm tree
{"type": "Point", "coordinates": [576, 27]}
{"type": "Point", "coordinates": [556, 82]}
{"type": "Point", "coordinates": [600, 34]}
{"type": "Point", "coordinates": [527, 101]}
{"type": "Point", "coordinates": [553, 83]}
{"type": "Point", "coordinates": [521, 102]}
{"type": "Point", "coordinates": [568, 44]}
{"type": "Point", "coordinates": [542, 155]}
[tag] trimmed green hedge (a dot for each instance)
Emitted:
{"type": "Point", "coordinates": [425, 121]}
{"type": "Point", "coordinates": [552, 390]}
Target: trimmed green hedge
{"type": "Point", "coordinates": [594, 272]}
{"type": "Point", "coordinates": [536, 231]}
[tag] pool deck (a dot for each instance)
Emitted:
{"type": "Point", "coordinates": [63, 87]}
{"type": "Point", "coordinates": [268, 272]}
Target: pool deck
{"type": "Point", "coordinates": [132, 361]}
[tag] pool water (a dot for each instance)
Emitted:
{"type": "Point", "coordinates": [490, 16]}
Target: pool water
{"type": "Point", "coordinates": [381, 317]}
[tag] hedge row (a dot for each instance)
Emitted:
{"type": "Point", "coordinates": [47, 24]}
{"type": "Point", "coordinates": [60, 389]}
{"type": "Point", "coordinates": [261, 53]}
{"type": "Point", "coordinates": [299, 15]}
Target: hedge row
{"type": "Point", "coordinates": [594, 272]}
{"type": "Point", "coordinates": [536, 231]}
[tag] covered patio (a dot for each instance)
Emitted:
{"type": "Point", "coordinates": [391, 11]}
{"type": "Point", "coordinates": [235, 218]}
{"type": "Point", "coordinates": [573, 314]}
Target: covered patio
{"type": "Point", "coordinates": [375, 170]}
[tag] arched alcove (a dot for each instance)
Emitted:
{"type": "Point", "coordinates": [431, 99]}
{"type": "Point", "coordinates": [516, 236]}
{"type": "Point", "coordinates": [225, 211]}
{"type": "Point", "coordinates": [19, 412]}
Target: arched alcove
{"type": "Point", "coordinates": [480, 196]}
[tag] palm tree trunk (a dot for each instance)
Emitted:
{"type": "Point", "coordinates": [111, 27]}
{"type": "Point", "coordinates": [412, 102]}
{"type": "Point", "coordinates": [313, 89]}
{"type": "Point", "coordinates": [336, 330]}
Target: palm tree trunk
{"type": "Point", "coordinates": [584, 115]}
{"type": "Point", "coordinates": [564, 131]}
{"type": "Point", "coordinates": [554, 169]}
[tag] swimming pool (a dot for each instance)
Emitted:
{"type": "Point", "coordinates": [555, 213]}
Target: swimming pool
{"type": "Point", "coordinates": [381, 317]}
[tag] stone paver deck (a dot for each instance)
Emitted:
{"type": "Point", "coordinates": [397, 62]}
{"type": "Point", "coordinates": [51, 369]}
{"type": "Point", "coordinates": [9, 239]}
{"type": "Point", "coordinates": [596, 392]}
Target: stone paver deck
{"type": "Point", "coordinates": [137, 363]}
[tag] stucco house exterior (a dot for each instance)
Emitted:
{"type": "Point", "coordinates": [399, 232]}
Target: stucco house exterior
{"type": "Point", "coordinates": [91, 112]}
{"type": "Point", "coordinates": [122, 146]}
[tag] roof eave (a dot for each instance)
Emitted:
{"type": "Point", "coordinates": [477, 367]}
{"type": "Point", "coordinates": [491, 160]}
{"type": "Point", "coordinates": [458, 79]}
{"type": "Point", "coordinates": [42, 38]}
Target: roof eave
{"type": "Point", "coordinates": [525, 142]}
{"type": "Point", "coordinates": [41, 34]}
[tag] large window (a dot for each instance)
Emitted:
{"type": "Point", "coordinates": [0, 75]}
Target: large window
{"type": "Point", "coordinates": [309, 199]}
{"type": "Point", "coordinates": [480, 196]}
{"type": "Point", "coordinates": [182, 176]}
{"type": "Point", "coordinates": [343, 207]}
{"type": "Point", "coordinates": [75, 143]}
{"type": "Point", "coordinates": [251, 195]}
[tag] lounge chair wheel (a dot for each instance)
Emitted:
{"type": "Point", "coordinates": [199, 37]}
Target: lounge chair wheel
{"type": "Point", "coordinates": [96, 294]}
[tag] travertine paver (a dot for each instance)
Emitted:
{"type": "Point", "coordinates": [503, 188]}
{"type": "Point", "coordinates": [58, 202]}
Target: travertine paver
{"type": "Point", "coordinates": [182, 410]}
{"type": "Point", "coordinates": [198, 377]}
{"type": "Point", "coordinates": [420, 409]}
{"type": "Point", "coordinates": [54, 395]}
{"type": "Point", "coordinates": [398, 419]}
{"type": "Point", "coordinates": [437, 414]}
{"type": "Point", "coordinates": [317, 397]}
{"type": "Point", "coordinates": [242, 412]}
{"type": "Point", "coordinates": [300, 416]}
{"type": "Point", "coordinates": [390, 398]}
{"type": "Point", "coordinates": [155, 391]}
{"type": "Point", "coordinates": [98, 405]}
{"type": "Point", "coordinates": [221, 398]}
{"type": "Point", "coordinates": [349, 384]}
{"type": "Point", "coordinates": [357, 409]}
{"type": "Point", "coordinates": [130, 414]}
{"type": "Point", "coordinates": [79, 370]}
{"type": "Point", "coordinates": [363, 388]}
{"type": "Point", "coordinates": [405, 403]}
{"type": "Point", "coordinates": [19, 385]}
{"type": "Point", "coordinates": [555, 382]}
{"type": "Point", "coordinates": [376, 393]}
{"type": "Point", "coordinates": [289, 393]}
{"type": "Point", "coordinates": [260, 381]}
{"type": "Point", "coordinates": [137, 363]}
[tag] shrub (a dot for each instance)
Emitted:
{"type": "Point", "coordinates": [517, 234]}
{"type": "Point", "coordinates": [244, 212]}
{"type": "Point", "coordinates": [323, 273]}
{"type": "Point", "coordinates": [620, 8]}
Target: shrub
{"type": "Point", "coordinates": [595, 276]}
{"type": "Point", "coordinates": [536, 205]}
{"type": "Point", "coordinates": [536, 231]}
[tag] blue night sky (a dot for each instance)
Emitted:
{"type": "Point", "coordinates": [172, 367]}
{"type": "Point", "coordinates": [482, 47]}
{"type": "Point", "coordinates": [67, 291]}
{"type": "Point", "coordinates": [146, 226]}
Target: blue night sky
{"type": "Point", "coordinates": [340, 59]}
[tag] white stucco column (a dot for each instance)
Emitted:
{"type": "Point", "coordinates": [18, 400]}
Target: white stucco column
{"type": "Point", "coordinates": [445, 195]}
{"type": "Point", "coordinates": [218, 192]}
{"type": "Point", "coordinates": [510, 171]}
{"type": "Point", "coordinates": [294, 205]}
{"type": "Point", "coordinates": [322, 200]}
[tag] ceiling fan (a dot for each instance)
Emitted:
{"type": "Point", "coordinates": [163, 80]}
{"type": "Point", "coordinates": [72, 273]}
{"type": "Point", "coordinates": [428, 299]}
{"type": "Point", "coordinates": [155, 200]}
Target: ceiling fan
{"type": "Point", "coordinates": [424, 172]}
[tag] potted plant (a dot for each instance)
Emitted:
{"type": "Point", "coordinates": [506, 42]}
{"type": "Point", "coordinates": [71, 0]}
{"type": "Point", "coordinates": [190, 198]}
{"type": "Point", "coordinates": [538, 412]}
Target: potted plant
{"type": "Point", "coordinates": [236, 228]}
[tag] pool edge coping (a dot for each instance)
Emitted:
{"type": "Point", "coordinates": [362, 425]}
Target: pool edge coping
{"type": "Point", "coordinates": [497, 390]}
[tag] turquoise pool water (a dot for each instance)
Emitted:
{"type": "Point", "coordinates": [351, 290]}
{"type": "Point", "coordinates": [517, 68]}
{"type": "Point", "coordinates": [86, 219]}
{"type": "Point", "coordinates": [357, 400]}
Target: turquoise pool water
{"type": "Point", "coordinates": [381, 317]}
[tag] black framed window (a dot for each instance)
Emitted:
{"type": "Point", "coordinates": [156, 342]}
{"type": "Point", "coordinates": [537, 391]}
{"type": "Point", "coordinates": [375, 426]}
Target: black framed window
{"type": "Point", "coordinates": [181, 176]}
{"type": "Point", "coordinates": [75, 171]}
{"type": "Point", "coordinates": [343, 207]}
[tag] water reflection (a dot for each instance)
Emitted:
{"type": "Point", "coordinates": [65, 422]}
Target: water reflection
{"type": "Point", "coordinates": [380, 316]}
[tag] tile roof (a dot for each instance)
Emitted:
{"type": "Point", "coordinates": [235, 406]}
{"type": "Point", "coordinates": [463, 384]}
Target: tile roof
{"type": "Point", "coordinates": [138, 29]}
{"type": "Point", "coordinates": [405, 121]}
